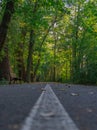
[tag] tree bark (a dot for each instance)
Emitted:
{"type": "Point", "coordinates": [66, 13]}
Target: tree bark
{"type": "Point", "coordinates": [20, 62]}
{"type": "Point", "coordinates": [9, 9]}
{"type": "Point", "coordinates": [75, 44]}
{"type": "Point", "coordinates": [55, 53]}
{"type": "Point", "coordinates": [29, 61]}
{"type": "Point", "coordinates": [20, 56]}
{"type": "Point", "coordinates": [30, 51]}
{"type": "Point", "coordinates": [5, 66]}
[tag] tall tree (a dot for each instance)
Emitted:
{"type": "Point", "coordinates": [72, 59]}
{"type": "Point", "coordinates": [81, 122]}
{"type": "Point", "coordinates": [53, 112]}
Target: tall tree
{"type": "Point", "coordinates": [31, 45]}
{"type": "Point", "coordinates": [9, 9]}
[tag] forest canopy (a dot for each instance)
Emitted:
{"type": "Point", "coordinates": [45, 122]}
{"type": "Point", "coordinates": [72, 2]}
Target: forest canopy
{"type": "Point", "coordinates": [49, 40]}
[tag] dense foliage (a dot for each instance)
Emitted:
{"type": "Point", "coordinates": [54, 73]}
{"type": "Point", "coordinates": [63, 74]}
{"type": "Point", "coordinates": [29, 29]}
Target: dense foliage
{"type": "Point", "coordinates": [51, 40]}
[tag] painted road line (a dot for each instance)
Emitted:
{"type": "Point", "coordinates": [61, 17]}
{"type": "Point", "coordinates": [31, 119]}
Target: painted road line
{"type": "Point", "coordinates": [48, 114]}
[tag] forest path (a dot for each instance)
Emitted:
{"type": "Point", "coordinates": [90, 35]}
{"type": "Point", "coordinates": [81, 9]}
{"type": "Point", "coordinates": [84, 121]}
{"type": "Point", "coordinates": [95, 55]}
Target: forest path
{"type": "Point", "coordinates": [16, 101]}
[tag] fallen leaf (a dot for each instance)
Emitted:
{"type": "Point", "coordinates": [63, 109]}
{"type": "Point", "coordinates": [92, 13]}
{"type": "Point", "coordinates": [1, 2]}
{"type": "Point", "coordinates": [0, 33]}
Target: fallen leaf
{"type": "Point", "coordinates": [15, 126]}
{"type": "Point", "coordinates": [91, 93]}
{"type": "Point", "coordinates": [49, 114]}
{"type": "Point", "coordinates": [74, 94]}
{"type": "Point", "coordinates": [62, 89]}
{"type": "Point", "coordinates": [43, 89]}
{"type": "Point", "coordinates": [69, 86]}
{"type": "Point", "coordinates": [89, 110]}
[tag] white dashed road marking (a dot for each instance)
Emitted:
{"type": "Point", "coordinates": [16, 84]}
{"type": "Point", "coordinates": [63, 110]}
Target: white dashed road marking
{"type": "Point", "coordinates": [48, 114]}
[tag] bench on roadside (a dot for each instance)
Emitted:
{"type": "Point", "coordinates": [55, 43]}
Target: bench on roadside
{"type": "Point", "coordinates": [14, 80]}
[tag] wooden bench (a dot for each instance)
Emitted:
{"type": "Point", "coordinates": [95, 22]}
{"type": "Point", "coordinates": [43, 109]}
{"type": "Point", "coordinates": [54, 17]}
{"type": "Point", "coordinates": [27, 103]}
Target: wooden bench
{"type": "Point", "coordinates": [15, 80]}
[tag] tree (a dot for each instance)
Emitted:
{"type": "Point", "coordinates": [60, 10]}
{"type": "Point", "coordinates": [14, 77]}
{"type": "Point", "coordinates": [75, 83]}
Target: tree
{"type": "Point", "coordinates": [9, 9]}
{"type": "Point", "coordinates": [5, 66]}
{"type": "Point", "coordinates": [49, 40]}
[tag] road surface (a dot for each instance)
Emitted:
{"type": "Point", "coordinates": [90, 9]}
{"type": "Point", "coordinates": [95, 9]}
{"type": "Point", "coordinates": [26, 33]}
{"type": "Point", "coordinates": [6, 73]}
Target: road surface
{"type": "Point", "coordinates": [16, 102]}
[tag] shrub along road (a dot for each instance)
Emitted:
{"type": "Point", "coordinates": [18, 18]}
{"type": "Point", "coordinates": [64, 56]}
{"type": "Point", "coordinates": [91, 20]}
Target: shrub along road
{"type": "Point", "coordinates": [79, 101]}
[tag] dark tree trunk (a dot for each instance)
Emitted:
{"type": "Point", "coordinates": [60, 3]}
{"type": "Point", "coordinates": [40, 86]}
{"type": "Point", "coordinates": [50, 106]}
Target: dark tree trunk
{"type": "Point", "coordinates": [29, 60]}
{"type": "Point", "coordinates": [5, 66]}
{"type": "Point", "coordinates": [9, 9]}
{"type": "Point", "coordinates": [55, 53]}
{"type": "Point", "coordinates": [19, 57]}
{"type": "Point", "coordinates": [75, 63]}
{"type": "Point", "coordinates": [30, 50]}
{"type": "Point", "coordinates": [20, 62]}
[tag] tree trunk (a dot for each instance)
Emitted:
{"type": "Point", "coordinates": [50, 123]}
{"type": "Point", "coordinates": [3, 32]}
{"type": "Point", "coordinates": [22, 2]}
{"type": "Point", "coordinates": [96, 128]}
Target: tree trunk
{"type": "Point", "coordinates": [19, 57]}
{"type": "Point", "coordinates": [55, 47]}
{"type": "Point", "coordinates": [29, 60]}
{"type": "Point", "coordinates": [20, 62]}
{"type": "Point", "coordinates": [9, 9]}
{"type": "Point", "coordinates": [5, 66]}
{"type": "Point", "coordinates": [75, 44]}
{"type": "Point", "coordinates": [30, 51]}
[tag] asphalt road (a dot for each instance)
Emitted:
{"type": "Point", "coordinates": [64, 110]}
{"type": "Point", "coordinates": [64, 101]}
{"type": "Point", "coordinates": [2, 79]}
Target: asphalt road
{"type": "Point", "coordinates": [81, 104]}
{"type": "Point", "coordinates": [79, 101]}
{"type": "Point", "coordinates": [15, 104]}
